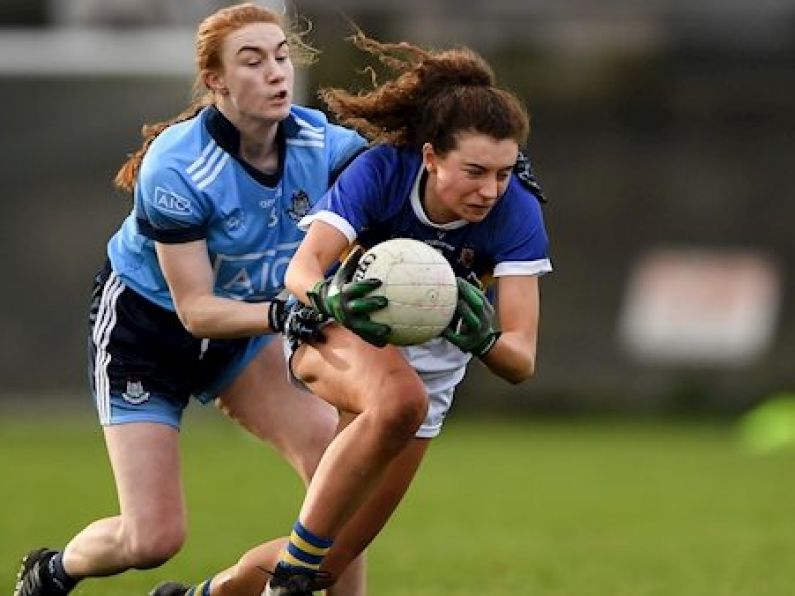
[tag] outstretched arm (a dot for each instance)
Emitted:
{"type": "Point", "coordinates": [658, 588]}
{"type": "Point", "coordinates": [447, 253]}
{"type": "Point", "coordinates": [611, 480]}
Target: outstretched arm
{"type": "Point", "coordinates": [189, 275]}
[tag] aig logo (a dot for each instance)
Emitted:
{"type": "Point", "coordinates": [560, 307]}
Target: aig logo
{"type": "Point", "coordinates": [171, 202]}
{"type": "Point", "coordinates": [253, 276]}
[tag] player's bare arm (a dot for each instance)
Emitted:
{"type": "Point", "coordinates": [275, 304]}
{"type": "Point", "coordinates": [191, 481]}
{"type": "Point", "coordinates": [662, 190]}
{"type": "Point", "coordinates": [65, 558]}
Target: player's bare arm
{"type": "Point", "coordinates": [190, 279]}
{"type": "Point", "coordinates": [320, 248]}
{"type": "Point", "coordinates": [513, 356]}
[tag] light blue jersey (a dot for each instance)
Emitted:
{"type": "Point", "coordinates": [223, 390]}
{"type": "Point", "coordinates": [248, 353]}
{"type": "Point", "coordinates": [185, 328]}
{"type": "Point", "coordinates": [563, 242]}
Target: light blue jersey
{"type": "Point", "coordinates": [193, 185]}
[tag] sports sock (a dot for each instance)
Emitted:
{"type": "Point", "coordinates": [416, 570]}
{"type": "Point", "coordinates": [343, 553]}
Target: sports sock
{"type": "Point", "coordinates": [57, 576]}
{"type": "Point", "coordinates": [304, 549]}
{"type": "Point", "coordinates": [202, 589]}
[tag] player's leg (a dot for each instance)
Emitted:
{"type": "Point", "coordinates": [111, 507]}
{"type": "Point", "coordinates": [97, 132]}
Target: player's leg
{"type": "Point", "coordinates": [371, 517]}
{"type": "Point", "coordinates": [248, 576]}
{"type": "Point", "coordinates": [391, 403]}
{"type": "Point", "coordinates": [149, 529]}
{"type": "Point", "coordinates": [298, 424]}
{"type": "Point", "coordinates": [151, 526]}
{"type": "Point", "coordinates": [142, 440]}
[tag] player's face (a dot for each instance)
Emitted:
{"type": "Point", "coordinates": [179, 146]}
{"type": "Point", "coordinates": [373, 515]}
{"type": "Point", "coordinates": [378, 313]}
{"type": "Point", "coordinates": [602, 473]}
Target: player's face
{"type": "Point", "coordinates": [468, 181]}
{"type": "Point", "coordinates": [257, 76]}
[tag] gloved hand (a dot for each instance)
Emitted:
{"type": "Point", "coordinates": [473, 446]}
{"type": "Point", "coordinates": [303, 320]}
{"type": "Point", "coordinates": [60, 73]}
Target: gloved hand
{"type": "Point", "coordinates": [474, 327]}
{"type": "Point", "coordinates": [299, 322]}
{"type": "Point", "coordinates": [304, 324]}
{"type": "Point", "coordinates": [347, 301]}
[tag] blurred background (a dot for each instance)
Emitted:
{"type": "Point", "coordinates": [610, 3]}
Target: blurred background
{"type": "Point", "coordinates": [662, 134]}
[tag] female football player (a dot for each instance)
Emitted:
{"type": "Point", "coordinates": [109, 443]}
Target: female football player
{"type": "Point", "coordinates": [444, 171]}
{"type": "Point", "coordinates": [187, 303]}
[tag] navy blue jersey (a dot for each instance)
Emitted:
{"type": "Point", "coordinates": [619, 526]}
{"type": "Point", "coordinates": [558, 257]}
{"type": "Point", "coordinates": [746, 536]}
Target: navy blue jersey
{"type": "Point", "coordinates": [193, 185]}
{"type": "Point", "coordinates": [378, 198]}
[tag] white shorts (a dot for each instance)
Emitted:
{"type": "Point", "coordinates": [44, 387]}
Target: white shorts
{"type": "Point", "coordinates": [440, 365]}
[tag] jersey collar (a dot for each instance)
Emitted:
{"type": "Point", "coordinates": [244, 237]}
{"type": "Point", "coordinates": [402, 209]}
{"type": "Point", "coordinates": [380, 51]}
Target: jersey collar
{"type": "Point", "coordinates": [419, 211]}
{"type": "Point", "coordinates": [227, 136]}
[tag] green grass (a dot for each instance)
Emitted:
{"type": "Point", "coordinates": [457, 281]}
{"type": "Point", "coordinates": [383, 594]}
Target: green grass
{"type": "Point", "coordinates": [544, 508]}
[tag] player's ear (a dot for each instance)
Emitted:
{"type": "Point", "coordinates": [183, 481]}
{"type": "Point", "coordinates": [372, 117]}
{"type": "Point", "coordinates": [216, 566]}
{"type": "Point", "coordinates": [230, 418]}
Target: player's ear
{"type": "Point", "coordinates": [214, 81]}
{"type": "Point", "coordinates": [429, 157]}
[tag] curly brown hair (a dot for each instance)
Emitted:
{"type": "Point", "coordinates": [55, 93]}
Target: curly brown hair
{"type": "Point", "coordinates": [433, 96]}
{"type": "Point", "coordinates": [210, 36]}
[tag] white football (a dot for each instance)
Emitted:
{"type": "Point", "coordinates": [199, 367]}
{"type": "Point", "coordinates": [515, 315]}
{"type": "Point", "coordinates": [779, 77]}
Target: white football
{"type": "Point", "coordinates": [419, 284]}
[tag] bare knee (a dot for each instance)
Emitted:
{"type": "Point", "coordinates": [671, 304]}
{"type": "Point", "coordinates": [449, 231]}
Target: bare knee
{"type": "Point", "coordinates": [151, 545]}
{"type": "Point", "coordinates": [401, 408]}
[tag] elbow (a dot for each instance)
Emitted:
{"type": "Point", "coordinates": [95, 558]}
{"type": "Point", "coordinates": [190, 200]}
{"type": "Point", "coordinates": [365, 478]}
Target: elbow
{"type": "Point", "coordinates": [289, 279]}
{"type": "Point", "coordinates": [521, 373]}
{"type": "Point", "coordinates": [193, 322]}
{"type": "Point", "coordinates": [193, 326]}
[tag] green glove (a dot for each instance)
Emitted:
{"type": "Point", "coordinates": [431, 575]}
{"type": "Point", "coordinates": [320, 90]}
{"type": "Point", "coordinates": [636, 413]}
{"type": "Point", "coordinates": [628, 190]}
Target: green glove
{"type": "Point", "coordinates": [474, 327]}
{"type": "Point", "coordinates": [348, 302]}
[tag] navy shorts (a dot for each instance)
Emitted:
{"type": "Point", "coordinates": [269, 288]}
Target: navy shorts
{"type": "Point", "coordinates": [144, 366]}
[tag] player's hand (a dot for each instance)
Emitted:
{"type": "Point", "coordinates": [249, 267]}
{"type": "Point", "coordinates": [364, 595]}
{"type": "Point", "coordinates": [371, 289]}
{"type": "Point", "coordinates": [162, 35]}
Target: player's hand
{"type": "Point", "coordinates": [474, 327]}
{"type": "Point", "coordinates": [304, 324]}
{"type": "Point", "coordinates": [348, 302]}
{"type": "Point", "coordinates": [299, 322]}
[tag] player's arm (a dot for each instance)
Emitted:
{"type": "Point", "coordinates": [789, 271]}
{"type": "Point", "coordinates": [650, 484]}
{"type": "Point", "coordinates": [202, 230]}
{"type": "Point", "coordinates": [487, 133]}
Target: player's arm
{"type": "Point", "coordinates": [189, 275]}
{"type": "Point", "coordinates": [322, 246]}
{"type": "Point", "coordinates": [513, 356]}
{"type": "Point", "coordinates": [505, 339]}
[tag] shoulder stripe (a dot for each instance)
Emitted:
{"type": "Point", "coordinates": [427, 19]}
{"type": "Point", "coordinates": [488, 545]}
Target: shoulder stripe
{"type": "Point", "coordinates": [198, 163]}
{"type": "Point", "coordinates": [214, 174]}
{"type": "Point", "coordinates": [305, 143]}
{"type": "Point", "coordinates": [310, 134]}
{"type": "Point", "coordinates": [304, 124]}
{"type": "Point", "coordinates": [209, 164]}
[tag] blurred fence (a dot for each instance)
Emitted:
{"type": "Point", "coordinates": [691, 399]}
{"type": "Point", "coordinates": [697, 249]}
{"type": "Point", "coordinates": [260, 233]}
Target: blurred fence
{"type": "Point", "coordinates": [686, 143]}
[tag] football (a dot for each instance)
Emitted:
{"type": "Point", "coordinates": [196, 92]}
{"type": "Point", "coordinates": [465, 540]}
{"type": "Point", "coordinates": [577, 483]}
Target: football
{"type": "Point", "coordinates": [419, 284]}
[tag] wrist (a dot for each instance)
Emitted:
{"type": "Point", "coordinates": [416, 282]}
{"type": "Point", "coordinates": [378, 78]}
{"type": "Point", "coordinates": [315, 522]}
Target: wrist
{"type": "Point", "coordinates": [277, 314]}
{"type": "Point", "coordinates": [483, 349]}
{"type": "Point", "coordinates": [317, 295]}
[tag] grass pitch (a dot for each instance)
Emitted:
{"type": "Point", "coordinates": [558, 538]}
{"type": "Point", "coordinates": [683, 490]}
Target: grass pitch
{"type": "Point", "coordinates": [543, 508]}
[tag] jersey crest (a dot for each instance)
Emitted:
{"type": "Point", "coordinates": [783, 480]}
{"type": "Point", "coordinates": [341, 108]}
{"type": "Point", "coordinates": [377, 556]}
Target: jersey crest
{"type": "Point", "coordinates": [299, 205]}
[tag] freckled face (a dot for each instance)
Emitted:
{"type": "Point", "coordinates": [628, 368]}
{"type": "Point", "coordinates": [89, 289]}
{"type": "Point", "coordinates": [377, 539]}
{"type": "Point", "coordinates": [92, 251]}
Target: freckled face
{"type": "Point", "coordinates": [257, 73]}
{"type": "Point", "coordinates": [468, 181]}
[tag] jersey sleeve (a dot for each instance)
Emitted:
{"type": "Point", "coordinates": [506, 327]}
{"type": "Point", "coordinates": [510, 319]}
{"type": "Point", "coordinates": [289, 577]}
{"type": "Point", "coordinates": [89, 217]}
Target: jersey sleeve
{"type": "Point", "coordinates": [168, 208]}
{"type": "Point", "coordinates": [343, 145]}
{"type": "Point", "coordinates": [523, 247]}
{"type": "Point", "coordinates": [355, 199]}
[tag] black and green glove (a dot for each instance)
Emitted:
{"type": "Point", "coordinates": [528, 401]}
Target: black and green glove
{"type": "Point", "coordinates": [474, 327]}
{"type": "Point", "coordinates": [347, 301]}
